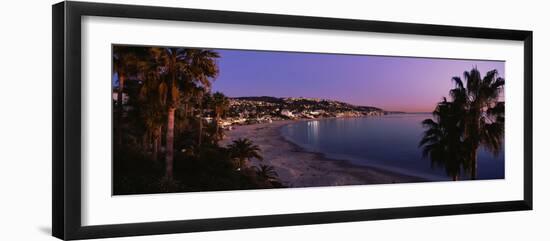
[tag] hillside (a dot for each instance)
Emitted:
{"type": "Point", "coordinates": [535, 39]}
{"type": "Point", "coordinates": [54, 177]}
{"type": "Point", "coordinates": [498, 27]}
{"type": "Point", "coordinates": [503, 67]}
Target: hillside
{"type": "Point", "coordinates": [258, 108]}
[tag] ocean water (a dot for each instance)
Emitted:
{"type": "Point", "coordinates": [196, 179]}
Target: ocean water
{"type": "Point", "coordinates": [389, 142]}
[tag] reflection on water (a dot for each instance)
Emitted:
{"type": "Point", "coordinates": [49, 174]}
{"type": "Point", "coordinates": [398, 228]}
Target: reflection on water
{"type": "Point", "coordinates": [313, 131]}
{"type": "Point", "coordinates": [390, 142]}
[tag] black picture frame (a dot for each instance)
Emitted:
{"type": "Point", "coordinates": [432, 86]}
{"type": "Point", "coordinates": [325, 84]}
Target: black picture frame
{"type": "Point", "coordinates": [66, 198]}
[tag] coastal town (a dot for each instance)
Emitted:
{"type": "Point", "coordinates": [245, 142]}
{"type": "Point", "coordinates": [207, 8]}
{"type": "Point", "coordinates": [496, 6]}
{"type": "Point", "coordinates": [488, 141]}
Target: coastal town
{"type": "Point", "coordinates": [264, 109]}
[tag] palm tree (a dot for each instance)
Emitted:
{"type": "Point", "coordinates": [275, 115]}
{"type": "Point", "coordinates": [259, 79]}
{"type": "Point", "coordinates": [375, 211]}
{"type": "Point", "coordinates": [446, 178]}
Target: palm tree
{"type": "Point", "coordinates": [124, 64]}
{"type": "Point", "coordinates": [442, 139]}
{"type": "Point", "coordinates": [266, 172]}
{"type": "Point", "coordinates": [242, 150]}
{"type": "Point", "coordinates": [151, 111]}
{"type": "Point", "coordinates": [483, 113]}
{"type": "Point", "coordinates": [199, 94]}
{"type": "Point", "coordinates": [474, 117]}
{"type": "Point", "coordinates": [181, 66]}
{"type": "Point", "coordinates": [220, 104]}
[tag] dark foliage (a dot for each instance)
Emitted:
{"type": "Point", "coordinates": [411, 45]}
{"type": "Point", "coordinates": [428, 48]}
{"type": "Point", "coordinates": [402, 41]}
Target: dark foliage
{"type": "Point", "coordinates": [473, 118]}
{"type": "Point", "coordinates": [151, 81]}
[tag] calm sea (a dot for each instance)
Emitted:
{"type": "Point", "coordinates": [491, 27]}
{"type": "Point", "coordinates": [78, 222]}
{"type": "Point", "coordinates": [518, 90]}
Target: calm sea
{"type": "Point", "coordinates": [389, 142]}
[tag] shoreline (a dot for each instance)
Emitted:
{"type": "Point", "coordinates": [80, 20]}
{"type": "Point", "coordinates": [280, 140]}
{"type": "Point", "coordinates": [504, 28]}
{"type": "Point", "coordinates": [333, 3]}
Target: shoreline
{"type": "Point", "coordinates": [298, 167]}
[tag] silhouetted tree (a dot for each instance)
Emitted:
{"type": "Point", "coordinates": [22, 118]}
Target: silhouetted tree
{"type": "Point", "coordinates": [220, 104]}
{"type": "Point", "coordinates": [181, 65]}
{"type": "Point", "coordinates": [442, 139]}
{"type": "Point", "coordinates": [266, 172]}
{"type": "Point", "coordinates": [474, 117]}
{"type": "Point", "coordinates": [483, 113]}
{"type": "Point", "coordinates": [124, 65]}
{"type": "Point", "coordinates": [242, 150]}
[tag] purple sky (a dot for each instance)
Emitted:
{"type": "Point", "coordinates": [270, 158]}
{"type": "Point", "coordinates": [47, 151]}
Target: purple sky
{"type": "Point", "coordinates": [391, 83]}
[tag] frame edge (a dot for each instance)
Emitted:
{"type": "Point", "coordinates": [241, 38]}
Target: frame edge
{"type": "Point", "coordinates": [66, 46]}
{"type": "Point", "coordinates": [58, 78]}
{"type": "Point", "coordinates": [528, 120]}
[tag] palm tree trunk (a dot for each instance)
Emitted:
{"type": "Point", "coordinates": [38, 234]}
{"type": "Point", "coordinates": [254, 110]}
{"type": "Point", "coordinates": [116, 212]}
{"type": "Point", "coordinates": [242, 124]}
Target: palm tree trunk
{"type": "Point", "coordinates": [169, 157]}
{"type": "Point", "coordinates": [155, 149]}
{"type": "Point", "coordinates": [170, 143]}
{"type": "Point", "coordinates": [185, 109]}
{"type": "Point", "coordinates": [218, 118]}
{"type": "Point", "coordinates": [159, 144]}
{"type": "Point", "coordinates": [119, 97]}
{"type": "Point", "coordinates": [200, 126]}
{"type": "Point", "coordinates": [473, 164]}
{"type": "Point", "coordinates": [200, 132]}
{"type": "Point", "coordinates": [241, 164]}
{"type": "Point", "coordinates": [145, 141]}
{"type": "Point", "coordinates": [475, 136]}
{"type": "Point", "coordinates": [156, 143]}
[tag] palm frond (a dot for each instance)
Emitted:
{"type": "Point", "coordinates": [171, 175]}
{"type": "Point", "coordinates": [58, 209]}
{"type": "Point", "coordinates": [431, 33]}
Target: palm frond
{"type": "Point", "coordinates": [458, 82]}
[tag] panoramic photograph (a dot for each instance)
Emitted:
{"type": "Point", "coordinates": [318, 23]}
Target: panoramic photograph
{"type": "Point", "coordinates": [188, 119]}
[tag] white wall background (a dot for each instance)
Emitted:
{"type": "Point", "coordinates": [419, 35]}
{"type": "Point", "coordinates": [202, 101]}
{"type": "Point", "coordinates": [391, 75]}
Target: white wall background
{"type": "Point", "coordinates": [25, 120]}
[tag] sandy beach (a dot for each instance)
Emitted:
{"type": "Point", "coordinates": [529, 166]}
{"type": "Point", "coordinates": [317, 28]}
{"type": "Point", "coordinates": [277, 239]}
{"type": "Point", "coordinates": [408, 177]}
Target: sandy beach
{"type": "Point", "coordinates": [299, 168]}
